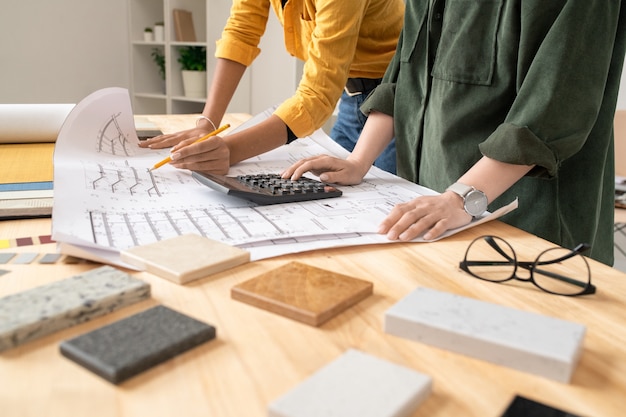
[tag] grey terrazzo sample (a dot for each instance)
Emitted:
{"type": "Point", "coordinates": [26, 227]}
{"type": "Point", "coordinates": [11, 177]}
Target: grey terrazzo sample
{"type": "Point", "coordinates": [355, 384]}
{"type": "Point", "coordinates": [130, 346]}
{"type": "Point", "coordinates": [40, 311]}
{"type": "Point", "coordinates": [522, 340]}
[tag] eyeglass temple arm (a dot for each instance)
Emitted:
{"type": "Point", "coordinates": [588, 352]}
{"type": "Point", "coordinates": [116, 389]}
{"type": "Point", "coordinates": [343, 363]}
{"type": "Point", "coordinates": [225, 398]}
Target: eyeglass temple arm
{"type": "Point", "coordinates": [580, 248]}
{"type": "Point", "coordinates": [525, 265]}
{"type": "Point", "coordinates": [492, 242]}
{"type": "Point", "coordinates": [563, 278]}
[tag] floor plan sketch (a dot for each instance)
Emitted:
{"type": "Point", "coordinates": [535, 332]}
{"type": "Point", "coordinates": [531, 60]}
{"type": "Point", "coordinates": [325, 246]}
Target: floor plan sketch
{"type": "Point", "coordinates": [123, 180]}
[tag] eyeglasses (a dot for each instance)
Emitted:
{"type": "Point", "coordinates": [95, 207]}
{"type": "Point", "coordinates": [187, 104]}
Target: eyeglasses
{"type": "Point", "coordinates": [491, 258]}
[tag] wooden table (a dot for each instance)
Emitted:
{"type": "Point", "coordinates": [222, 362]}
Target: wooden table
{"type": "Point", "coordinates": [258, 356]}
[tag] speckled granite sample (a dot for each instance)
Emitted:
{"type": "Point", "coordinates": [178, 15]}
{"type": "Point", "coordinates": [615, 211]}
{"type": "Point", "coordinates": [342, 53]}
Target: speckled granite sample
{"type": "Point", "coordinates": [522, 340]}
{"type": "Point", "coordinates": [356, 384]}
{"type": "Point", "coordinates": [127, 347]}
{"type": "Point", "coordinates": [46, 309]}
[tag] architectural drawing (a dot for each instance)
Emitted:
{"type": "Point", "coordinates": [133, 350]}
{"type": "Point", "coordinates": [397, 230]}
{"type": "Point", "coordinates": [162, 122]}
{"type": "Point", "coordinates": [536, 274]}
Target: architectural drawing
{"type": "Point", "coordinates": [107, 199]}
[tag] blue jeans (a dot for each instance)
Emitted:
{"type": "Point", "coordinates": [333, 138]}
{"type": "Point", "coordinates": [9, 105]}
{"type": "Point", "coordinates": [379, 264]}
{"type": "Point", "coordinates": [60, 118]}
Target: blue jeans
{"type": "Point", "coordinates": [348, 127]}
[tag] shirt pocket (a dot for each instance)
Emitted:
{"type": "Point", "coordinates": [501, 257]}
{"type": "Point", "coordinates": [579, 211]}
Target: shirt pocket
{"type": "Point", "coordinates": [467, 48]}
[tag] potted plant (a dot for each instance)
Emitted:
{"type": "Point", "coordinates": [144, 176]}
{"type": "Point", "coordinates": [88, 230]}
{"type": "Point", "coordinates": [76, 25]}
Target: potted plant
{"type": "Point", "coordinates": [148, 36]}
{"type": "Point", "coordinates": [192, 60]}
{"type": "Point", "coordinates": [159, 31]}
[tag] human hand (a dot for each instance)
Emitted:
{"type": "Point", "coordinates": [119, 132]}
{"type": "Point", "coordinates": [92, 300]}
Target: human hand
{"type": "Point", "coordinates": [210, 156]}
{"type": "Point", "coordinates": [169, 140]}
{"type": "Point", "coordinates": [328, 169]}
{"type": "Point", "coordinates": [430, 214]}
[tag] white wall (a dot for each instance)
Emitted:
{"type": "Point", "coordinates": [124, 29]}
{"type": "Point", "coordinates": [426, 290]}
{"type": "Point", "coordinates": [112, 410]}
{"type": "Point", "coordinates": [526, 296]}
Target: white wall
{"type": "Point", "coordinates": [274, 75]}
{"type": "Point", "coordinates": [59, 51]}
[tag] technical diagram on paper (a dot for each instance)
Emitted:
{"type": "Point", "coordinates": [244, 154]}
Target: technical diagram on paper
{"type": "Point", "coordinates": [107, 199]}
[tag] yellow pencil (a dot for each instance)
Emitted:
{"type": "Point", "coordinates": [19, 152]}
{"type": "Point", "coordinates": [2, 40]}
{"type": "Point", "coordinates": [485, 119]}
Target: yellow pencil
{"type": "Point", "coordinates": [205, 137]}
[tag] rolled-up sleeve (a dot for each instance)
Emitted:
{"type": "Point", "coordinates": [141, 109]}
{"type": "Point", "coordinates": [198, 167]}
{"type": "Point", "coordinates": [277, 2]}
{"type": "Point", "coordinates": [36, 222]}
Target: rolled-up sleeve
{"type": "Point", "coordinates": [242, 34]}
{"type": "Point", "coordinates": [382, 99]}
{"type": "Point", "coordinates": [559, 95]}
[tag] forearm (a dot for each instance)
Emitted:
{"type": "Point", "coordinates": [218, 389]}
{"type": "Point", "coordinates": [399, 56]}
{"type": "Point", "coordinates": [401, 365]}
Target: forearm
{"type": "Point", "coordinates": [376, 135]}
{"type": "Point", "coordinates": [223, 85]}
{"type": "Point", "coordinates": [260, 138]}
{"type": "Point", "coordinates": [493, 177]}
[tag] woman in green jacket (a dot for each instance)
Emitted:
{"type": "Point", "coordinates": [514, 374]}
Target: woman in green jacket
{"type": "Point", "coordinates": [510, 98]}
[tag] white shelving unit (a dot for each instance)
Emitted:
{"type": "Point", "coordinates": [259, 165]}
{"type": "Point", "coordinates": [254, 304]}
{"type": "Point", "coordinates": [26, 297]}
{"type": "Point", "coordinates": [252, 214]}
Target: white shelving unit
{"type": "Point", "coordinates": [149, 92]}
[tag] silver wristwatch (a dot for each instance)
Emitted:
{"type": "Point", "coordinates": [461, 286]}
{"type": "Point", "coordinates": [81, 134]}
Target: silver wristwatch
{"type": "Point", "coordinates": [474, 201]}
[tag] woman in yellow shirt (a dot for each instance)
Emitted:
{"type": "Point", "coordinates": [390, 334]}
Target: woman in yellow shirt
{"type": "Point", "coordinates": [346, 47]}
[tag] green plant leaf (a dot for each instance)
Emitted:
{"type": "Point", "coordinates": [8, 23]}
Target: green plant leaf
{"type": "Point", "coordinates": [192, 58]}
{"type": "Point", "coordinates": [159, 59]}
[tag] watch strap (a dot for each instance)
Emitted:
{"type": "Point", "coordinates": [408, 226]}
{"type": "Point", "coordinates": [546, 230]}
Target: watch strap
{"type": "Point", "coordinates": [460, 189]}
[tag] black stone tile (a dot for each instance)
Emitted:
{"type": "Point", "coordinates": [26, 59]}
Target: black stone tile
{"type": "Point", "coordinates": [130, 346]}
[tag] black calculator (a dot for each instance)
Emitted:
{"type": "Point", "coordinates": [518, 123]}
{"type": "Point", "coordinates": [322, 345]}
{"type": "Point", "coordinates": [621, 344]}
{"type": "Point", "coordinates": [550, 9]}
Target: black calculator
{"type": "Point", "coordinates": [267, 189]}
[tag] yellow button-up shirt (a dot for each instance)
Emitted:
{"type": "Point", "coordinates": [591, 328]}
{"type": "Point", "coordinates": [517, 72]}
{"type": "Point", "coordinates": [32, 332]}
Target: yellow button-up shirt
{"type": "Point", "coordinates": [336, 39]}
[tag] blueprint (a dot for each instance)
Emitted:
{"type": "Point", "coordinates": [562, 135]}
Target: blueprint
{"type": "Point", "coordinates": [107, 199]}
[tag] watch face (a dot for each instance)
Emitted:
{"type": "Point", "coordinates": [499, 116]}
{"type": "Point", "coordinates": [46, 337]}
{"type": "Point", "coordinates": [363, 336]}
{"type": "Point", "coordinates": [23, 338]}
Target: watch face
{"type": "Point", "coordinates": [475, 203]}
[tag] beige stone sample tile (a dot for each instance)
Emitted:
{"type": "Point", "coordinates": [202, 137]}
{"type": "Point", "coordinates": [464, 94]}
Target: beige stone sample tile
{"type": "Point", "coordinates": [185, 258]}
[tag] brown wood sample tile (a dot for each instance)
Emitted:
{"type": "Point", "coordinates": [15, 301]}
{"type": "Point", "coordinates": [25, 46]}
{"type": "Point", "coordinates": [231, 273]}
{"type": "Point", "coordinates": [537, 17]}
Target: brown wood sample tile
{"type": "Point", "coordinates": [303, 292]}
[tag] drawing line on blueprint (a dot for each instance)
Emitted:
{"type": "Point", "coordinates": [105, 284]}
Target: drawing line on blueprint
{"type": "Point", "coordinates": [126, 179]}
{"type": "Point", "coordinates": [112, 140]}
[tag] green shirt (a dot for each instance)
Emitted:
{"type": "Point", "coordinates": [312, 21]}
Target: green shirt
{"type": "Point", "coordinates": [530, 82]}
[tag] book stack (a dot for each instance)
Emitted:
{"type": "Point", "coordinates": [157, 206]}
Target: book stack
{"type": "Point", "coordinates": [26, 185]}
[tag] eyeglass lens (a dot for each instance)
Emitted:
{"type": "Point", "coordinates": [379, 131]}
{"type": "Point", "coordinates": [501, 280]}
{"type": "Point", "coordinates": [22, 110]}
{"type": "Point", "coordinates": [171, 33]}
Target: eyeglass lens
{"type": "Point", "coordinates": [491, 258]}
{"type": "Point", "coordinates": [568, 277]}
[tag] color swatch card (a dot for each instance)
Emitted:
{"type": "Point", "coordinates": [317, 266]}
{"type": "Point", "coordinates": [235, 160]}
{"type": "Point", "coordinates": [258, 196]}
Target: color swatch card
{"type": "Point", "coordinates": [185, 258]}
{"type": "Point", "coordinates": [43, 310]}
{"type": "Point", "coordinates": [302, 292]}
{"type": "Point", "coordinates": [522, 340]}
{"type": "Point", "coordinates": [130, 346]}
{"type": "Point", "coordinates": [356, 384]}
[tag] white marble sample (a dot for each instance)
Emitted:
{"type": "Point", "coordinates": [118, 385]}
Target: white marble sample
{"type": "Point", "coordinates": [46, 309]}
{"type": "Point", "coordinates": [355, 384]}
{"type": "Point", "coordinates": [526, 341]}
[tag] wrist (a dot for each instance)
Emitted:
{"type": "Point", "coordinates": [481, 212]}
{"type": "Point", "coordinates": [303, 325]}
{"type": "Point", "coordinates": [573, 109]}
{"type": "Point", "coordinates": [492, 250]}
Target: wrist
{"type": "Point", "coordinates": [474, 201]}
{"type": "Point", "coordinates": [205, 123]}
{"type": "Point", "coordinates": [362, 167]}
